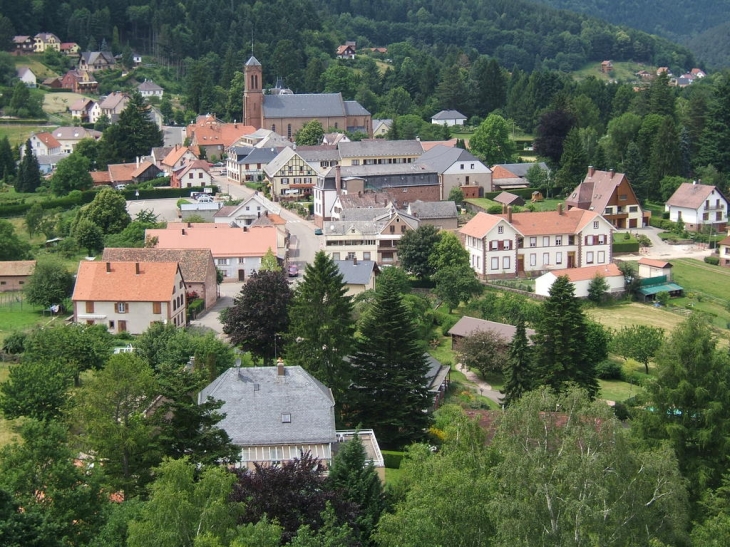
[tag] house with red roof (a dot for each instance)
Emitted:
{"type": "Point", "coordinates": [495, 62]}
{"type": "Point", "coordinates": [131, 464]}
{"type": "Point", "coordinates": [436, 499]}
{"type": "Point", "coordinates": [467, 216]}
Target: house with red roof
{"type": "Point", "coordinates": [195, 173]}
{"type": "Point", "coordinates": [698, 206]}
{"type": "Point", "coordinates": [514, 244]}
{"type": "Point", "coordinates": [610, 194]}
{"type": "Point", "coordinates": [176, 159]}
{"type": "Point", "coordinates": [43, 144]}
{"type": "Point", "coordinates": [237, 252]}
{"type": "Point", "coordinates": [129, 296]}
{"type": "Point", "coordinates": [212, 137]}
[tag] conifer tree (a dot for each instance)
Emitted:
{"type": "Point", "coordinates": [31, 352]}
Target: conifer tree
{"type": "Point", "coordinates": [352, 474]}
{"type": "Point", "coordinates": [388, 391]}
{"type": "Point", "coordinates": [573, 162]}
{"type": "Point", "coordinates": [7, 161]}
{"type": "Point", "coordinates": [321, 325]}
{"type": "Point", "coordinates": [561, 354]}
{"type": "Point", "coordinates": [29, 174]}
{"type": "Point", "coordinates": [518, 370]}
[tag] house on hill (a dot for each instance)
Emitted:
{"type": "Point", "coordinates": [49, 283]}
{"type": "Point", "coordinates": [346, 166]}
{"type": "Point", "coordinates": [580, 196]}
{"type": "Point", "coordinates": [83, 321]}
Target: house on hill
{"type": "Point", "coordinates": [148, 88]}
{"type": "Point", "coordinates": [346, 51]}
{"type": "Point", "coordinates": [449, 118]}
{"type": "Point", "coordinates": [129, 296]}
{"type": "Point", "coordinates": [26, 76]}
{"type": "Point", "coordinates": [698, 206]}
{"type": "Point", "coordinates": [610, 194]}
{"type": "Point", "coordinates": [22, 45]}
{"type": "Point", "coordinates": [91, 61]}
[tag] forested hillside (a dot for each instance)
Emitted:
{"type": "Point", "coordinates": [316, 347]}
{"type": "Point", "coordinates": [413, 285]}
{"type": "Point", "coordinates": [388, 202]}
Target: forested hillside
{"type": "Point", "coordinates": [289, 34]}
{"type": "Point", "coordinates": [702, 25]}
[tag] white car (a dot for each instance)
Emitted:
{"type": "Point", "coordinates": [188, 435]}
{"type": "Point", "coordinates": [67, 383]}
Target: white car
{"type": "Point", "coordinates": [120, 187]}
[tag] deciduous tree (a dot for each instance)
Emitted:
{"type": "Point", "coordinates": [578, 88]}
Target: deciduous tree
{"type": "Point", "coordinates": [456, 284]}
{"type": "Point", "coordinates": [311, 134]}
{"type": "Point", "coordinates": [12, 248]}
{"type": "Point", "coordinates": [491, 141]}
{"type": "Point", "coordinates": [448, 253]}
{"type": "Point", "coordinates": [72, 173]}
{"type": "Point", "coordinates": [35, 390]}
{"type": "Point", "coordinates": [259, 316]}
{"type": "Point", "coordinates": [484, 351]}
{"type": "Point", "coordinates": [50, 283]}
{"type": "Point", "coordinates": [639, 342]}
{"type": "Point", "coordinates": [108, 211]}
{"type": "Point", "coordinates": [415, 249]}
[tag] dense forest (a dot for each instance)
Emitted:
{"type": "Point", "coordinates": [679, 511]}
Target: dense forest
{"type": "Point", "coordinates": [701, 25]}
{"type": "Point", "coordinates": [516, 33]}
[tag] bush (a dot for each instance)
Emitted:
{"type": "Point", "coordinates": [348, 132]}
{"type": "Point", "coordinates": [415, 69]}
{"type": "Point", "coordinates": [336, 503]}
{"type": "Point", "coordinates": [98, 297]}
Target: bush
{"type": "Point", "coordinates": [445, 321]}
{"type": "Point", "coordinates": [392, 459]}
{"type": "Point", "coordinates": [621, 411]}
{"type": "Point", "coordinates": [609, 370]}
{"type": "Point", "coordinates": [195, 306]}
{"type": "Point", "coordinates": [494, 209]}
{"type": "Point", "coordinates": [714, 260]}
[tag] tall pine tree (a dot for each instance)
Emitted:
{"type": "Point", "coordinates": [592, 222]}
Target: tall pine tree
{"type": "Point", "coordinates": [561, 354]}
{"type": "Point", "coordinates": [321, 326]}
{"type": "Point", "coordinates": [518, 370]}
{"type": "Point", "coordinates": [573, 162]}
{"type": "Point", "coordinates": [389, 367]}
{"type": "Point", "coordinates": [29, 173]}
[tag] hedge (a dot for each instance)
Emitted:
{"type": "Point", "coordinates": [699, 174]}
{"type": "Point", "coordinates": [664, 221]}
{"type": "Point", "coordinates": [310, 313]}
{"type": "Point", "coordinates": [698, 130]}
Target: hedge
{"type": "Point", "coordinates": [80, 198]}
{"type": "Point", "coordinates": [625, 247]}
{"type": "Point", "coordinates": [195, 307]}
{"type": "Point", "coordinates": [714, 260]}
{"type": "Point", "coordinates": [392, 459]}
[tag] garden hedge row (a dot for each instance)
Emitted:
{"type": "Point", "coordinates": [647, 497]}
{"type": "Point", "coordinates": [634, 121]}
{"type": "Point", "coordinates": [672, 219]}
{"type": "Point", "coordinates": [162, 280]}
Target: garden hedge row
{"type": "Point", "coordinates": [626, 247]}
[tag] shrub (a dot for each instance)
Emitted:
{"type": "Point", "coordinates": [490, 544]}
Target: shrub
{"type": "Point", "coordinates": [392, 459]}
{"type": "Point", "coordinates": [714, 260]}
{"type": "Point", "coordinates": [445, 321]}
{"type": "Point", "coordinates": [621, 411]}
{"type": "Point", "coordinates": [494, 209]}
{"type": "Point", "coordinates": [195, 306]}
{"type": "Point", "coordinates": [609, 370]}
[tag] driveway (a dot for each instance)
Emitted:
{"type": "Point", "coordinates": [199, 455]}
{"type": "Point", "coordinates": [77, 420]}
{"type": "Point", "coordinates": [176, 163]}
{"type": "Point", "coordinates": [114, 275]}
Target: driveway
{"type": "Point", "coordinates": [211, 318]}
{"type": "Point", "coordinates": [661, 250]}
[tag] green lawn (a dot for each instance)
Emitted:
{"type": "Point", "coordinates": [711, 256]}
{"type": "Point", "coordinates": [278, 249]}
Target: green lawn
{"type": "Point", "coordinates": [616, 390]}
{"type": "Point", "coordinates": [622, 71]}
{"type": "Point", "coordinates": [699, 277]}
{"type": "Point", "coordinates": [18, 134]}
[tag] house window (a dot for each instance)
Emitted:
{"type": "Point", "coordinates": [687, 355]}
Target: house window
{"type": "Point", "coordinates": [156, 307]}
{"type": "Point", "coordinates": [558, 258]}
{"type": "Point", "coordinates": [589, 257]}
{"type": "Point", "coordinates": [601, 257]}
{"type": "Point", "coordinates": [500, 229]}
{"type": "Point", "coordinates": [533, 259]}
{"type": "Point", "coordinates": [633, 209]}
{"type": "Point", "coordinates": [718, 216]}
{"type": "Point", "coordinates": [595, 224]}
{"type": "Point", "coordinates": [495, 263]}
{"type": "Point", "coordinates": [366, 256]}
{"type": "Point", "coordinates": [111, 324]}
{"type": "Point", "coordinates": [200, 175]}
{"type": "Point", "coordinates": [350, 256]}
{"type": "Point", "coordinates": [472, 166]}
{"type": "Point", "coordinates": [589, 240]}
{"type": "Point", "coordinates": [623, 197]}
{"type": "Point", "coordinates": [494, 245]}
{"type": "Point", "coordinates": [288, 131]}
{"type": "Point", "coordinates": [545, 259]}
{"type": "Point", "coordinates": [122, 307]}
{"type": "Point", "coordinates": [705, 216]}
{"type": "Point", "coordinates": [571, 240]}
{"type": "Point", "coordinates": [241, 260]}
{"type": "Point", "coordinates": [546, 241]}
{"type": "Point", "coordinates": [558, 241]}
{"type": "Point", "coordinates": [533, 242]}
{"type": "Point", "coordinates": [190, 175]}
{"type": "Point", "coordinates": [505, 263]}
{"type": "Point", "coordinates": [285, 418]}
{"type": "Point", "coordinates": [89, 306]}
{"type": "Point", "coordinates": [461, 166]}
{"type": "Point", "coordinates": [602, 239]}
{"type": "Point", "coordinates": [221, 261]}
{"type": "Point", "coordinates": [403, 229]}
{"type": "Point", "coordinates": [392, 229]}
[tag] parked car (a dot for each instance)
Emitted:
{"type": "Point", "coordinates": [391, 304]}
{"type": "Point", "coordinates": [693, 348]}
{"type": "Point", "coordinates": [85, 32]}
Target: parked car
{"type": "Point", "coordinates": [318, 231]}
{"type": "Point", "coordinates": [293, 270]}
{"type": "Point", "coordinates": [120, 186]}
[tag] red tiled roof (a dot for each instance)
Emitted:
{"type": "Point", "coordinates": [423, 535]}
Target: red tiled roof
{"type": "Point", "coordinates": [48, 139]}
{"type": "Point", "coordinates": [589, 272]}
{"type": "Point", "coordinates": [480, 225]}
{"type": "Point", "coordinates": [226, 242]}
{"type": "Point", "coordinates": [154, 283]}
{"type": "Point", "coordinates": [499, 172]}
{"type": "Point", "coordinates": [100, 177]}
{"type": "Point", "coordinates": [174, 155]}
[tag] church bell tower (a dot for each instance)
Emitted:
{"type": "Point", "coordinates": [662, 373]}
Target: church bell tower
{"type": "Point", "coordinates": [253, 95]}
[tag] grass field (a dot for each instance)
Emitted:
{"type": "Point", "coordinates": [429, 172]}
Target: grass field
{"type": "Point", "coordinates": [58, 103]}
{"type": "Point", "coordinates": [697, 276]}
{"type": "Point", "coordinates": [615, 390]}
{"type": "Point", "coordinates": [33, 62]}
{"type": "Point", "coordinates": [634, 313]}
{"type": "Point", "coordinates": [18, 316]}
{"type": "Point", "coordinates": [623, 71]}
{"type": "Point", "coordinates": [18, 134]}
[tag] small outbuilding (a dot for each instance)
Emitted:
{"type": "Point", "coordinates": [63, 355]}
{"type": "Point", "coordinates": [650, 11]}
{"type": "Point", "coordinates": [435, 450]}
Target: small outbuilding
{"type": "Point", "coordinates": [508, 198]}
{"type": "Point", "coordinates": [648, 267]}
{"type": "Point", "coordinates": [15, 273]}
{"type": "Point", "coordinates": [581, 279]}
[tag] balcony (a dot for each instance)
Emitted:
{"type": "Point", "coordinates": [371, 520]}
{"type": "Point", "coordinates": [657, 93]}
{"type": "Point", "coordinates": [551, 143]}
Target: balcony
{"type": "Point", "coordinates": [716, 207]}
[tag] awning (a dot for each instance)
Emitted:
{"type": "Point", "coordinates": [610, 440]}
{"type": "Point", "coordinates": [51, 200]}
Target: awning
{"type": "Point", "coordinates": [664, 287]}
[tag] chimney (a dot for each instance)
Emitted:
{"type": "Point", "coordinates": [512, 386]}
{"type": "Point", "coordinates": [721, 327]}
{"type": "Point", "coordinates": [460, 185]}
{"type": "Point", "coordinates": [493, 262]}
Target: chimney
{"type": "Point", "coordinates": [108, 267]}
{"type": "Point", "coordinates": [190, 224]}
{"type": "Point", "coordinates": [591, 170]}
{"type": "Point", "coordinates": [560, 208]}
{"type": "Point", "coordinates": [136, 268]}
{"type": "Point", "coordinates": [183, 231]}
{"type": "Point", "coordinates": [354, 261]}
{"type": "Point", "coordinates": [280, 368]}
{"type": "Point", "coordinates": [504, 208]}
{"type": "Point", "coordinates": [137, 161]}
{"type": "Point", "coordinates": [509, 214]}
{"type": "Point", "coordinates": [612, 171]}
{"type": "Point", "coordinates": [338, 180]}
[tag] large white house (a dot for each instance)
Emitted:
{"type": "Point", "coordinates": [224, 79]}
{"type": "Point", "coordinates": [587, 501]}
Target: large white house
{"type": "Point", "coordinates": [698, 206]}
{"type": "Point", "coordinates": [512, 244]}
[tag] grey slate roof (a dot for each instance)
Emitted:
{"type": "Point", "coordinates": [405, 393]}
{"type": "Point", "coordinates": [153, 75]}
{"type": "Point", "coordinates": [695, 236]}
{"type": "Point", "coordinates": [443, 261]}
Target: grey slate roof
{"type": "Point", "coordinates": [307, 105]}
{"type": "Point", "coordinates": [468, 325]}
{"type": "Point", "coordinates": [253, 61]}
{"type": "Point", "coordinates": [327, 152]}
{"type": "Point", "coordinates": [354, 108]}
{"type": "Point", "coordinates": [363, 214]}
{"type": "Point", "coordinates": [343, 227]}
{"type": "Point", "coordinates": [432, 209]}
{"type": "Point", "coordinates": [259, 155]}
{"type": "Point", "coordinates": [380, 147]}
{"type": "Point", "coordinates": [356, 273]}
{"type": "Point", "coordinates": [448, 115]}
{"type": "Point", "coordinates": [440, 157]}
{"type": "Point", "coordinates": [255, 398]}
